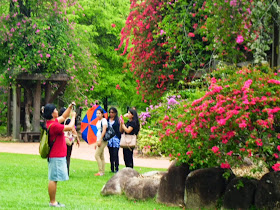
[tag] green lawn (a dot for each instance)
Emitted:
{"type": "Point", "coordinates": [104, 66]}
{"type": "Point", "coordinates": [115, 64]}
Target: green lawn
{"type": "Point", "coordinates": [24, 180]}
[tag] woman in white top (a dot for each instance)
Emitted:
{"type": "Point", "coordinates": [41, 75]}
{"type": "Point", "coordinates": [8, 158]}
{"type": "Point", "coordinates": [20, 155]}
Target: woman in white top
{"type": "Point", "coordinates": [101, 144]}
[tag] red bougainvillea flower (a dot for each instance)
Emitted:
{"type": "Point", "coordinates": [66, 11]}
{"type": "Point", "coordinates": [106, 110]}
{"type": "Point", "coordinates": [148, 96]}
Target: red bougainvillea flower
{"type": "Point", "coordinates": [113, 25]}
{"type": "Point", "coordinates": [118, 87]}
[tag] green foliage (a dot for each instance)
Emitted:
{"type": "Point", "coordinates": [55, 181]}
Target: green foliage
{"type": "Point", "coordinates": [111, 85]}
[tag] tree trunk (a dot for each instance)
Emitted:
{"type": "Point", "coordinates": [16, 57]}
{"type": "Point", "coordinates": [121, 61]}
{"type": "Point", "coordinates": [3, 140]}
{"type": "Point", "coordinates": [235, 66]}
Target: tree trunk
{"type": "Point", "coordinates": [105, 102]}
{"type": "Point", "coordinates": [36, 106]}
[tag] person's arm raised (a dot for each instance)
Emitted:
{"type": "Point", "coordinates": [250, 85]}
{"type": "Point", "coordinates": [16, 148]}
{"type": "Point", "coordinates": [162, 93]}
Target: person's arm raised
{"type": "Point", "coordinates": [65, 114]}
{"type": "Point", "coordinates": [71, 125]}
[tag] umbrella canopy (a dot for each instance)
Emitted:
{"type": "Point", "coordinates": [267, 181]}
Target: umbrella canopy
{"type": "Point", "coordinates": [88, 124]}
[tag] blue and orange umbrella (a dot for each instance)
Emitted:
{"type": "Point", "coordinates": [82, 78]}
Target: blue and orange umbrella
{"type": "Point", "coordinates": [88, 124]}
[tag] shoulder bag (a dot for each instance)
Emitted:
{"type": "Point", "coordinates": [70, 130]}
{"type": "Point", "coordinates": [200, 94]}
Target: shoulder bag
{"type": "Point", "coordinates": [128, 141]}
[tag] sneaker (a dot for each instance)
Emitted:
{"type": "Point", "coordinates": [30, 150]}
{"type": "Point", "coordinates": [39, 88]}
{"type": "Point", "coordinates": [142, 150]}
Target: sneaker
{"type": "Point", "coordinates": [98, 174]}
{"type": "Point", "coordinates": [57, 205]}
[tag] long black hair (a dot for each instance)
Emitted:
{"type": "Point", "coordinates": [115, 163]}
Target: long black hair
{"type": "Point", "coordinates": [115, 111]}
{"type": "Point", "coordinates": [135, 119]}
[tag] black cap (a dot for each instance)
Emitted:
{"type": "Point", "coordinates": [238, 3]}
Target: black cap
{"type": "Point", "coordinates": [48, 110]}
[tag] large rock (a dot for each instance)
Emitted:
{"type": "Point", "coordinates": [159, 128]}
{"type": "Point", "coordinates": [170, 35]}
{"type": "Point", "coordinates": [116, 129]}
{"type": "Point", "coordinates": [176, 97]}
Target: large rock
{"type": "Point", "coordinates": [240, 193]}
{"type": "Point", "coordinates": [116, 184]}
{"type": "Point", "coordinates": [204, 187]}
{"type": "Point", "coordinates": [141, 188]}
{"type": "Point", "coordinates": [268, 192]}
{"type": "Point", "coordinates": [172, 185]}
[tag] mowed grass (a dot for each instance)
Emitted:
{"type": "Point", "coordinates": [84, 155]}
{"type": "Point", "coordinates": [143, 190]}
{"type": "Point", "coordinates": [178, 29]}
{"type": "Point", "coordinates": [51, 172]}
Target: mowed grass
{"type": "Point", "coordinates": [24, 181]}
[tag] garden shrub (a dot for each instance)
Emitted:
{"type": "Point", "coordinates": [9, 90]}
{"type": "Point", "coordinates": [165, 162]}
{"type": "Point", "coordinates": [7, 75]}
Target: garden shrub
{"type": "Point", "coordinates": [148, 142]}
{"type": "Point", "coordinates": [149, 139]}
{"type": "Point", "coordinates": [238, 117]}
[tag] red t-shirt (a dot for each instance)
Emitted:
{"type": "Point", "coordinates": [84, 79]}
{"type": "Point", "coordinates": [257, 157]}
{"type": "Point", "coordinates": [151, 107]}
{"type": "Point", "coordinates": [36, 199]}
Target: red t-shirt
{"type": "Point", "coordinates": [56, 132]}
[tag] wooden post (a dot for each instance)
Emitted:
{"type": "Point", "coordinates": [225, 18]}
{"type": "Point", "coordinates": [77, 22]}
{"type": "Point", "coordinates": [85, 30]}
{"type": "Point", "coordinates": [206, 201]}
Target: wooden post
{"type": "Point", "coordinates": [37, 107]}
{"type": "Point", "coordinates": [47, 92]}
{"type": "Point", "coordinates": [9, 117]}
{"type": "Point", "coordinates": [16, 112]}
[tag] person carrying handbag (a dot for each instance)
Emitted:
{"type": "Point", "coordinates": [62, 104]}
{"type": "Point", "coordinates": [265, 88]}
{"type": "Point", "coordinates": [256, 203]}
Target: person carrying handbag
{"type": "Point", "coordinates": [131, 127]}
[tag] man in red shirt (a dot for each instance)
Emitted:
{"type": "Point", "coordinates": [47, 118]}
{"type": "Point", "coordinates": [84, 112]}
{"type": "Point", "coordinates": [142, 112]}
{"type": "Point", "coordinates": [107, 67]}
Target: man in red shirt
{"type": "Point", "coordinates": [57, 158]}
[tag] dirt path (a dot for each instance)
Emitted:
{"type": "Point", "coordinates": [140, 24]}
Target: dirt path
{"type": "Point", "coordinates": [85, 152]}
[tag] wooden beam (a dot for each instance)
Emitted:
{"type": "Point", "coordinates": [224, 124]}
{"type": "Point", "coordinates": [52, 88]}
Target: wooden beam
{"type": "Point", "coordinates": [36, 77]}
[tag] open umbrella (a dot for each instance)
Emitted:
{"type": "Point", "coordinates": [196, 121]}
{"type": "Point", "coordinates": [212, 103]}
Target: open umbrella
{"type": "Point", "coordinates": [88, 124]}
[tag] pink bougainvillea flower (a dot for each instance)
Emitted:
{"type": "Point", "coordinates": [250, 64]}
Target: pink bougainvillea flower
{"type": "Point", "coordinates": [239, 39]}
{"type": "Point", "coordinates": [225, 165]}
{"type": "Point", "coordinates": [162, 32]}
{"type": "Point", "coordinates": [118, 87]}
{"type": "Point", "coordinates": [259, 142]}
{"type": "Point", "coordinates": [230, 153]}
{"type": "Point", "coordinates": [166, 117]}
{"type": "Point", "coordinates": [191, 34]}
{"type": "Point", "coordinates": [233, 3]}
{"type": "Point", "coordinates": [215, 149]}
{"type": "Point", "coordinates": [179, 125]}
{"type": "Point", "coordinates": [276, 155]}
{"type": "Point", "coordinates": [278, 147]}
{"type": "Point", "coordinates": [167, 133]}
{"type": "Point", "coordinates": [276, 167]}
{"type": "Point", "coordinates": [48, 55]}
{"type": "Point", "coordinates": [113, 25]}
{"type": "Point", "coordinates": [274, 81]}
{"type": "Point", "coordinates": [41, 55]}
{"type": "Point", "coordinates": [189, 153]}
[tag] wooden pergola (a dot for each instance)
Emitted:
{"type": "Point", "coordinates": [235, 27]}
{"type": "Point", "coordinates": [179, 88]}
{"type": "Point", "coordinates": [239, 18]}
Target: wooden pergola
{"type": "Point", "coordinates": [31, 91]}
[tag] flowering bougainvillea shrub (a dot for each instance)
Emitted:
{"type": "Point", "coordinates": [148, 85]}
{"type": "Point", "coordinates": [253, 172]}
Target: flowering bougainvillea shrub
{"type": "Point", "coordinates": [173, 39]}
{"type": "Point", "coordinates": [239, 116]}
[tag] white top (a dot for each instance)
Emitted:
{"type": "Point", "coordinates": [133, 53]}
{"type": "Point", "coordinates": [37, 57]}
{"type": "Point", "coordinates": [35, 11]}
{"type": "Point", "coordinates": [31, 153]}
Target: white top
{"type": "Point", "coordinates": [98, 125]}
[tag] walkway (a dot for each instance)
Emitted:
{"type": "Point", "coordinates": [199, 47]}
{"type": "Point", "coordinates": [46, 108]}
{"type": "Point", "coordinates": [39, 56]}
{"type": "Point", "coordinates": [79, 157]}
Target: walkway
{"type": "Point", "coordinates": [85, 152]}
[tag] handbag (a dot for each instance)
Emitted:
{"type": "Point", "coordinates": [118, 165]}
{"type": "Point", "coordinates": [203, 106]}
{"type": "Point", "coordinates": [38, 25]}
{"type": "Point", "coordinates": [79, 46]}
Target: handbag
{"type": "Point", "coordinates": [110, 132]}
{"type": "Point", "coordinates": [69, 137]}
{"type": "Point", "coordinates": [128, 141]}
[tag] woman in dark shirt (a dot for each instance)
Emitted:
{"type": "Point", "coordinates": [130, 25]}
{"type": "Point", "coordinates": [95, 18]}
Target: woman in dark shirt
{"type": "Point", "coordinates": [131, 128]}
{"type": "Point", "coordinates": [114, 143]}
